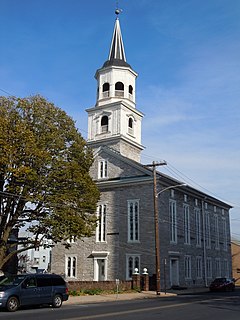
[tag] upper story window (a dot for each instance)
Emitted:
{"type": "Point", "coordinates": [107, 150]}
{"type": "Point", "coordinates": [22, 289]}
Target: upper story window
{"type": "Point", "coordinates": [130, 91]}
{"type": "Point", "coordinates": [102, 169]}
{"type": "Point", "coordinates": [101, 224]}
{"type": "Point", "coordinates": [105, 89]}
{"type": "Point", "coordinates": [198, 226]}
{"type": "Point", "coordinates": [186, 224]}
{"type": "Point", "coordinates": [130, 126]}
{"type": "Point", "coordinates": [119, 89]}
{"type": "Point", "coordinates": [104, 124]}
{"type": "Point", "coordinates": [133, 220]}
{"type": "Point", "coordinates": [173, 221]}
{"type": "Point", "coordinates": [208, 232]}
{"type": "Point", "coordinates": [216, 229]}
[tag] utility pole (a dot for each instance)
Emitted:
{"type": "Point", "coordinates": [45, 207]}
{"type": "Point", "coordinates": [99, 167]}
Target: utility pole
{"type": "Point", "coordinates": [155, 206]}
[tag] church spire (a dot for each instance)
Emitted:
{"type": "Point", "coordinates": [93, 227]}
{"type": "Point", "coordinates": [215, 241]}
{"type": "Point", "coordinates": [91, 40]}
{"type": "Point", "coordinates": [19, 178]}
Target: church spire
{"type": "Point", "coordinates": [117, 55]}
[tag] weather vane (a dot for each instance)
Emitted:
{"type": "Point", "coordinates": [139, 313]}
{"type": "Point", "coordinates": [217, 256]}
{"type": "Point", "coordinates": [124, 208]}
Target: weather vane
{"type": "Point", "coordinates": [117, 11]}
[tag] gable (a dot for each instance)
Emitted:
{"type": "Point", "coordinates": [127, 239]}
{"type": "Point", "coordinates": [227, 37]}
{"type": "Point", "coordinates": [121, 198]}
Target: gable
{"type": "Point", "coordinates": [117, 166]}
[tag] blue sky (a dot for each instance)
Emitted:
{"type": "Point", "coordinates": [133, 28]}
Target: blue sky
{"type": "Point", "coordinates": [187, 55]}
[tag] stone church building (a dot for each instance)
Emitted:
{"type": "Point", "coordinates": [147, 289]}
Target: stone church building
{"type": "Point", "coordinates": [193, 227]}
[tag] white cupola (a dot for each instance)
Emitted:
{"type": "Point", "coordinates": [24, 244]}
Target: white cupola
{"type": "Point", "coordinates": [115, 121]}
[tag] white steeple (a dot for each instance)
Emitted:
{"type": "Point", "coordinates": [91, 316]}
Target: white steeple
{"type": "Point", "coordinates": [115, 121]}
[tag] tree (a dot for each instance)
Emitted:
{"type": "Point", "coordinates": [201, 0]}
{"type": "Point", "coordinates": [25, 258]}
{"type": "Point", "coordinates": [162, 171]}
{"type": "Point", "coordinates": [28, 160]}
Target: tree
{"type": "Point", "coordinates": [45, 185]}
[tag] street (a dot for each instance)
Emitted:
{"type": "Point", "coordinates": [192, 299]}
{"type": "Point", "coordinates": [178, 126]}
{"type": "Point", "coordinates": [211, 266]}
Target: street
{"type": "Point", "coordinates": [188, 307]}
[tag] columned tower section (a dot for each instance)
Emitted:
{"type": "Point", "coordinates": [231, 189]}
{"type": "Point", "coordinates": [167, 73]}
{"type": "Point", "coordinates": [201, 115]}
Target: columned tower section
{"type": "Point", "coordinates": [115, 121]}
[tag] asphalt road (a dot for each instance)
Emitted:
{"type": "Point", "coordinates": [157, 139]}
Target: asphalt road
{"type": "Point", "coordinates": [205, 306]}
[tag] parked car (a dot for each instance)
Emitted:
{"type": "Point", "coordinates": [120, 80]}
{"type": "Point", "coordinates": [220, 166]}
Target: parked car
{"type": "Point", "coordinates": [32, 289]}
{"type": "Point", "coordinates": [222, 284]}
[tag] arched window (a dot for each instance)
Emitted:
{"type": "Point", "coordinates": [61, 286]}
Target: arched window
{"type": "Point", "coordinates": [130, 126]}
{"type": "Point", "coordinates": [130, 89]}
{"type": "Point", "coordinates": [105, 89]}
{"type": "Point", "coordinates": [104, 124]}
{"type": "Point", "coordinates": [119, 89]}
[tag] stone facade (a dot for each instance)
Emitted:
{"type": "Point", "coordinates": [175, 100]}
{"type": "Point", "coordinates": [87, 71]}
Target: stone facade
{"type": "Point", "coordinates": [130, 181]}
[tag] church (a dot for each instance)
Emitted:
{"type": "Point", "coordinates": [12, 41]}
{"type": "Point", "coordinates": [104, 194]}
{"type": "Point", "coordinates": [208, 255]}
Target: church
{"type": "Point", "coordinates": [146, 220]}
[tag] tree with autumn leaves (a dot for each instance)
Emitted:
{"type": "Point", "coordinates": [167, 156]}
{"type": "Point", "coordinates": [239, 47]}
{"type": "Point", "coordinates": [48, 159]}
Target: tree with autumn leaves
{"type": "Point", "coordinates": [45, 186]}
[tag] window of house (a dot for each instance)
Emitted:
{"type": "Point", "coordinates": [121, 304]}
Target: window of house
{"type": "Point", "coordinates": [209, 267]}
{"type": "Point", "coordinates": [101, 223]}
{"type": "Point", "coordinates": [133, 220]}
{"type": "Point", "coordinates": [173, 221]}
{"type": "Point", "coordinates": [187, 267]}
{"type": "Point", "coordinates": [185, 198]}
{"type": "Point", "coordinates": [70, 266]}
{"type": "Point", "coordinates": [208, 233]}
{"type": "Point", "coordinates": [216, 231]}
{"type": "Point", "coordinates": [186, 224]}
{"type": "Point", "coordinates": [44, 258]}
{"type": "Point", "coordinates": [102, 169]}
{"type": "Point", "coordinates": [104, 124]}
{"type": "Point", "coordinates": [133, 262]}
{"type": "Point", "coordinates": [199, 267]}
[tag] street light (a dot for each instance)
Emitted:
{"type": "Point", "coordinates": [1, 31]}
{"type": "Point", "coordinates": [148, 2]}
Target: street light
{"type": "Point", "coordinates": [157, 247]}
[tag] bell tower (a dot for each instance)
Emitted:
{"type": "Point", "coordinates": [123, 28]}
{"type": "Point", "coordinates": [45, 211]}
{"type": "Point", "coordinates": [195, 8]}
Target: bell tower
{"type": "Point", "coordinates": [114, 121]}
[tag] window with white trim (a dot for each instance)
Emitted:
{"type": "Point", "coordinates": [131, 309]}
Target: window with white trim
{"type": "Point", "coordinates": [209, 267]}
{"type": "Point", "coordinates": [173, 221]}
{"type": "Point", "coordinates": [102, 169]}
{"type": "Point", "coordinates": [101, 223]}
{"type": "Point", "coordinates": [218, 267]}
{"type": "Point", "coordinates": [199, 267]}
{"type": "Point", "coordinates": [224, 225]}
{"type": "Point", "coordinates": [71, 266]}
{"type": "Point", "coordinates": [197, 214]}
{"type": "Point", "coordinates": [216, 230]}
{"type": "Point", "coordinates": [133, 220]}
{"type": "Point", "coordinates": [187, 267]}
{"type": "Point", "coordinates": [186, 224]}
{"type": "Point", "coordinates": [225, 268]}
{"type": "Point", "coordinates": [133, 262]}
{"type": "Point", "coordinates": [208, 233]}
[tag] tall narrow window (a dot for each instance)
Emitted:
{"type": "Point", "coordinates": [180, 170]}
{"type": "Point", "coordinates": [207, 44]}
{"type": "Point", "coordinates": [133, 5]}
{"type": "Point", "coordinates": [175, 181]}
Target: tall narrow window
{"type": "Point", "coordinates": [133, 262]}
{"type": "Point", "coordinates": [216, 229]}
{"type": "Point", "coordinates": [208, 234]}
{"type": "Point", "coordinates": [186, 224]}
{"type": "Point", "coordinates": [104, 124]}
{"type": "Point", "coordinates": [102, 169]}
{"type": "Point", "coordinates": [133, 220]}
{"type": "Point", "coordinates": [187, 267]}
{"type": "Point", "coordinates": [199, 267]}
{"type": "Point", "coordinates": [71, 265]}
{"type": "Point", "coordinates": [101, 223]}
{"type": "Point", "coordinates": [225, 268]}
{"type": "Point", "coordinates": [224, 225]}
{"type": "Point", "coordinates": [173, 221]}
{"type": "Point", "coordinates": [198, 226]}
{"type": "Point", "coordinates": [218, 267]}
{"type": "Point", "coordinates": [130, 126]}
{"type": "Point", "coordinates": [209, 268]}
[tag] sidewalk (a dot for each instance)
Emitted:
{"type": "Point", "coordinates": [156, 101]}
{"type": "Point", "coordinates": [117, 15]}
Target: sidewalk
{"type": "Point", "coordinates": [129, 296]}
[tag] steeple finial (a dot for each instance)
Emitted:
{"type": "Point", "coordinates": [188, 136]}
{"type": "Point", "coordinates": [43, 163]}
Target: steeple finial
{"type": "Point", "coordinates": [117, 10]}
